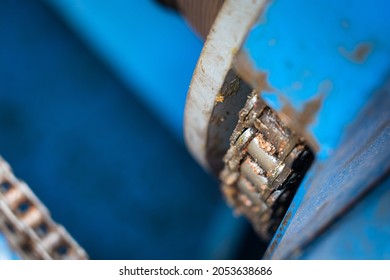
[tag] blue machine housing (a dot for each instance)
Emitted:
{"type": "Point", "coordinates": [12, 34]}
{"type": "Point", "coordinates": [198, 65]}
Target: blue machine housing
{"type": "Point", "coordinates": [93, 123]}
{"type": "Point", "coordinates": [338, 51]}
{"type": "Point", "coordinates": [76, 126]}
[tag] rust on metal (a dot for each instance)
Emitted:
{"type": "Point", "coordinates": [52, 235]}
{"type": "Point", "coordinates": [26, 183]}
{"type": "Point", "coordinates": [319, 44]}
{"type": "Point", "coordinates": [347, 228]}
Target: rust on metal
{"type": "Point", "coordinates": [287, 219]}
{"type": "Point", "coordinates": [27, 224]}
{"type": "Point", "coordinates": [257, 79]}
{"type": "Point", "coordinates": [219, 98]}
{"type": "Point", "coordinates": [359, 54]}
{"type": "Point", "coordinates": [300, 120]}
{"type": "Point", "coordinates": [259, 178]}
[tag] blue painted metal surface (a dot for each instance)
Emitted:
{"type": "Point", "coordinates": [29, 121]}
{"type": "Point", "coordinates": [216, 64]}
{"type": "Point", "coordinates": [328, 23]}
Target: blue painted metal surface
{"type": "Point", "coordinates": [363, 233]}
{"type": "Point", "coordinates": [360, 163]}
{"type": "Point", "coordinates": [148, 47]}
{"type": "Point", "coordinates": [152, 50]}
{"type": "Point", "coordinates": [340, 49]}
{"type": "Point", "coordinates": [72, 130]}
{"type": "Point", "coordinates": [107, 169]}
{"type": "Point", "coordinates": [6, 253]}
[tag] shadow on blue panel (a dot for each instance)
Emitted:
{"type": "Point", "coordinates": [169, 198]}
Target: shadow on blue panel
{"type": "Point", "coordinates": [106, 169]}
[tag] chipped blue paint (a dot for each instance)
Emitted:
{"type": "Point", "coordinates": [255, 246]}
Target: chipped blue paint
{"type": "Point", "coordinates": [307, 47]}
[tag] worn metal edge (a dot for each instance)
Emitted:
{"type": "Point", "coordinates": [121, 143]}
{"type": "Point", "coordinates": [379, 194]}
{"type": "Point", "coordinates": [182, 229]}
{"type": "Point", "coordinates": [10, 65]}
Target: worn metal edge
{"type": "Point", "coordinates": [222, 44]}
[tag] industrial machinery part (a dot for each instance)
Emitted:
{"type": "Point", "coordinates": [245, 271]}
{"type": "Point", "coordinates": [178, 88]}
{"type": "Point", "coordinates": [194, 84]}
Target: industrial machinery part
{"type": "Point", "coordinates": [346, 210]}
{"type": "Point", "coordinates": [273, 47]}
{"type": "Point", "coordinates": [264, 166]}
{"type": "Point", "coordinates": [27, 224]}
{"type": "Point", "coordinates": [265, 160]}
{"type": "Point", "coordinates": [216, 93]}
{"type": "Point", "coordinates": [302, 62]}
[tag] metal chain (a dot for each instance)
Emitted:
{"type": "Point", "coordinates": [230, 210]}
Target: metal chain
{"type": "Point", "coordinates": [263, 166]}
{"type": "Point", "coordinates": [27, 225]}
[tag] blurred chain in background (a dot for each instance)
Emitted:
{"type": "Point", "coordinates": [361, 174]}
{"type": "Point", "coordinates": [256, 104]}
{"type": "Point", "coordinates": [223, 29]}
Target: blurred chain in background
{"type": "Point", "coordinates": [76, 113]}
{"type": "Point", "coordinates": [91, 112]}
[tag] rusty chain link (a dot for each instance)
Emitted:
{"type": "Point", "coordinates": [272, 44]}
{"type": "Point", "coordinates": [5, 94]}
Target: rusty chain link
{"type": "Point", "coordinates": [263, 166]}
{"type": "Point", "coordinates": [27, 225]}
